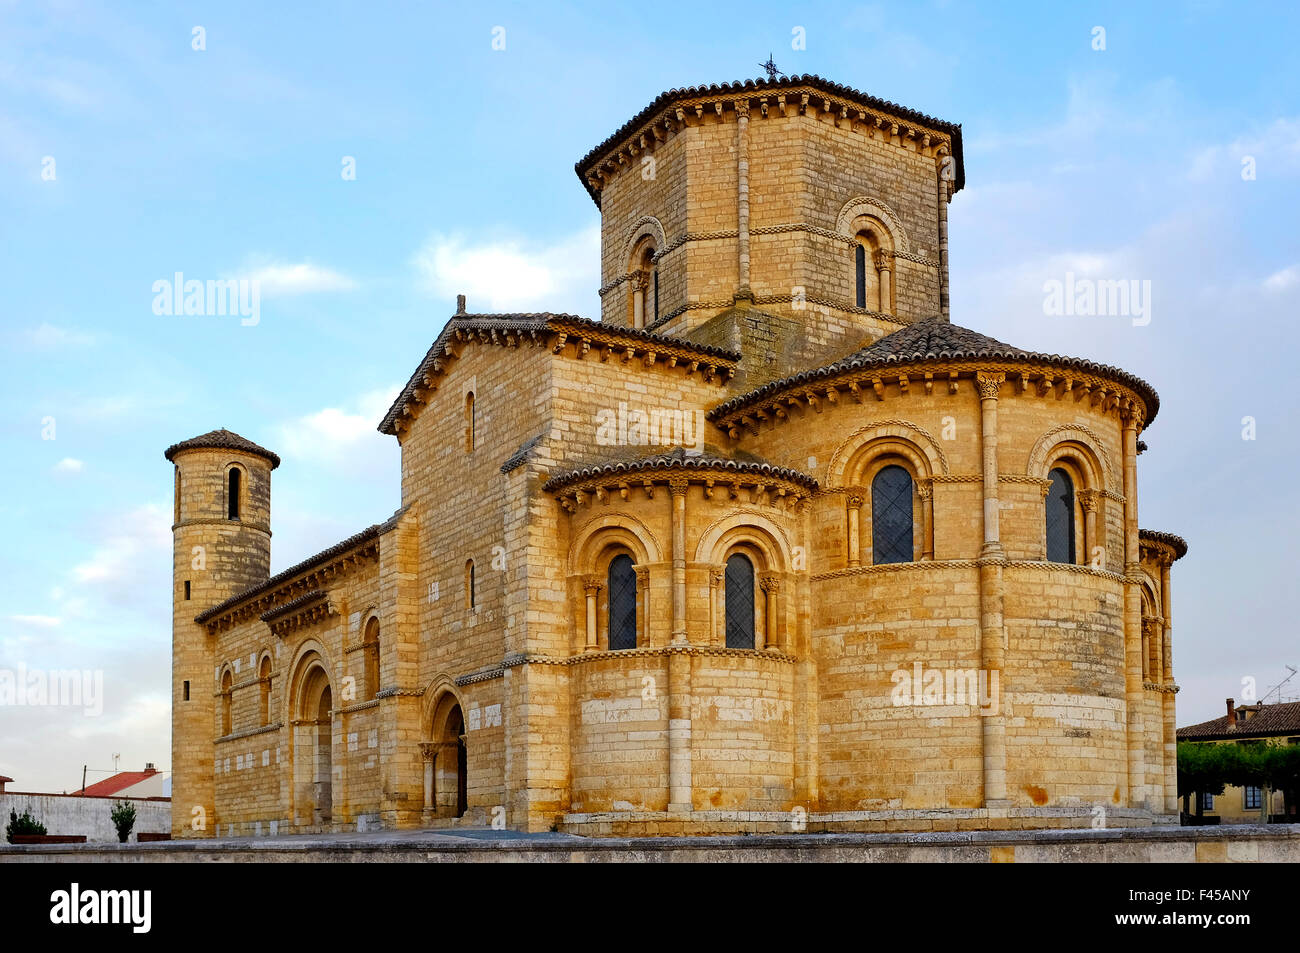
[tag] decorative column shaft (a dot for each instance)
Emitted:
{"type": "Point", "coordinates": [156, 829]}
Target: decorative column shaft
{"type": "Point", "coordinates": [677, 488]}
{"type": "Point", "coordinates": [591, 586]}
{"type": "Point", "coordinates": [1088, 500]}
{"type": "Point", "coordinates": [1167, 699]}
{"type": "Point", "coordinates": [885, 264]}
{"type": "Point", "coordinates": [855, 530]}
{"type": "Point", "coordinates": [770, 583]}
{"type": "Point", "coordinates": [715, 606]}
{"type": "Point", "coordinates": [925, 490]}
{"type": "Point", "coordinates": [643, 606]}
{"type": "Point", "coordinates": [742, 198]}
{"type": "Point", "coordinates": [992, 628]}
{"type": "Point", "coordinates": [945, 162]}
{"type": "Point", "coordinates": [1132, 417]}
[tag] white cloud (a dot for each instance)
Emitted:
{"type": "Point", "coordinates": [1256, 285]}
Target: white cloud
{"type": "Point", "coordinates": [123, 556]}
{"type": "Point", "coordinates": [69, 465]}
{"type": "Point", "coordinates": [513, 274]}
{"type": "Point", "coordinates": [37, 621]}
{"type": "Point", "coordinates": [1276, 151]}
{"type": "Point", "coordinates": [48, 337]}
{"type": "Point", "coordinates": [1280, 281]}
{"type": "Point", "coordinates": [282, 278]}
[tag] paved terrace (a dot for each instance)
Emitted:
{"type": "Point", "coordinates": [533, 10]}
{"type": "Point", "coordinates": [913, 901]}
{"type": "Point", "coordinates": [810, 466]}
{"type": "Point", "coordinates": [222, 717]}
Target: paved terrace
{"type": "Point", "coordinates": [1226, 844]}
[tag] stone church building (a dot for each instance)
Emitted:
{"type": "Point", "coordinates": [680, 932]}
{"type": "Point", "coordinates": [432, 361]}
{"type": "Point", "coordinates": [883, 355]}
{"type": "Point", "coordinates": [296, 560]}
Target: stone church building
{"type": "Point", "coordinates": [771, 546]}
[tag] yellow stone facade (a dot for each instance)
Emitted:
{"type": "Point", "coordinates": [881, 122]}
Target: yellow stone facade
{"type": "Point", "coordinates": [774, 336]}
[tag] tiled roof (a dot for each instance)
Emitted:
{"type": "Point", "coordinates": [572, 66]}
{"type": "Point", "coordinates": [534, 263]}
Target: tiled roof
{"type": "Point", "coordinates": [534, 321]}
{"type": "Point", "coordinates": [305, 599]}
{"type": "Point", "coordinates": [1177, 542]}
{"type": "Point", "coordinates": [678, 459]}
{"type": "Point", "coordinates": [1279, 719]}
{"type": "Point", "coordinates": [369, 533]}
{"type": "Point", "coordinates": [758, 87]}
{"type": "Point", "coordinates": [934, 339]}
{"type": "Point", "coordinates": [222, 440]}
{"type": "Point", "coordinates": [118, 782]}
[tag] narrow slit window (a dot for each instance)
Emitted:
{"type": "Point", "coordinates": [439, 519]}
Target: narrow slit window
{"type": "Point", "coordinates": [1060, 518]}
{"type": "Point", "coordinates": [185, 689]}
{"type": "Point", "coordinates": [860, 274]}
{"type": "Point", "coordinates": [739, 583]}
{"type": "Point", "coordinates": [622, 603]}
{"type": "Point", "coordinates": [232, 495]}
{"type": "Point", "coordinates": [470, 595]}
{"type": "Point", "coordinates": [187, 590]}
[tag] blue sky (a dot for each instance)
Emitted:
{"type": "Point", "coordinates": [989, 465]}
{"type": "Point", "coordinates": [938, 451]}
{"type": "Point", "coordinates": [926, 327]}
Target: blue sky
{"type": "Point", "coordinates": [1117, 163]}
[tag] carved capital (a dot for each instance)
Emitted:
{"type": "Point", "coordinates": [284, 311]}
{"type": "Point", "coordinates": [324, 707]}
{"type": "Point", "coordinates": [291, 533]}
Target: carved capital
{"type": "Point", "coordinates": [1133, 414]}
{"type": "Point", "coordinates": [883, 260]}
{"type": "Point", "coordinates": [855, 501]}
{"type": "Point", "coordinates": [1088, 500]}
{"type": "Point", "coordinates": [769, 582]}
{"type": "Point", "coordinates": [642, 576]}
{"type": "Point", "coordinates": [989, 384]}
{"type": "Point", "coordinates": [677, 485]}
{"type": "Point", "coordinates": [591, 585]}
{"type": "Point", "coordinates": [925, 488]}
{"type": "Point", "coordinates": [640, 280]}
{"type": "Point", "coordinates": [715, 578]}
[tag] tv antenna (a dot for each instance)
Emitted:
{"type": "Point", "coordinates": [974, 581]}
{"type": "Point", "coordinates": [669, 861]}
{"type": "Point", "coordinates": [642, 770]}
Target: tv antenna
{"type": "Point", "coordinates": [1278, 686]}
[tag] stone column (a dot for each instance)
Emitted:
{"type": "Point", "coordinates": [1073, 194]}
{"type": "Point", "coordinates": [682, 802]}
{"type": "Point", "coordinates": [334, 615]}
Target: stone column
{"type": "Point", "coordinates": [925, 490]}
{"type": "Point", "coordinates": [884, 265]}
{"type": "Point", "coordinates": [855, 529]}
{"type": "Point", "coordinates": [770, 583]}
{"type": "Point", "coordinates": [716, 606]}
{"type": "Point", "coordinates": [640, 282]}
{"type": "Point", "coordinates": [992, 626]}
{"type": "Point", "coordinates": [1088, 500]}
{"type": "Point", "coordinates": [643, 606]}
{"type": "Point", "coordinates": [679, 663]}
{"type": "Point", "coordinates": [591, 587]}
{"type": "Point", "coordinates": [743, 291]}
{"type": "Point", "coordinates": [677, 488]}
{"type": "Point", "coordinates": [1132, 416]}
{"type": "Point", "coordinates": [428, 753]}
{"type": "Point", "coordinates": [945, 162]}
{"type": "Point", "coordinates": [1170, 689]}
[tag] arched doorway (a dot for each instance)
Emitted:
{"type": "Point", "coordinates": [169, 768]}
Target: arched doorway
{"type": "Point", "coordinates": [313, 746]}
{"type": "Point", "coordinates": [449, 769]}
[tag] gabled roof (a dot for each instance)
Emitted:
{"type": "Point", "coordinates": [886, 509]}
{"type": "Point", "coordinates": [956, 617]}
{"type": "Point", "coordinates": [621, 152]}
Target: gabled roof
{"type": "Point", "coordinates": [222, 440]}
{"type": "Point", "coordinates": [679, 459]}
{"type": "Point", "coordinates": [366, 535]}
{"type": "Point", "coordinates": [118, 782]}
{"type": "Point", "coordinates": [758, 87]}
{"type": "Point", "coordinates": [1280, 719]}
{"type": "Point", "coordinates": [935, 339]}
{"type": "Point", "coordinates": [542, 322]}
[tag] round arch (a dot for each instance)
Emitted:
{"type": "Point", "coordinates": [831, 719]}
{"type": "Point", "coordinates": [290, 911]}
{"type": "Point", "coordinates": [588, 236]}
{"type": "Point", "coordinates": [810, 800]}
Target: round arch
{"type": "Point", "coordinates": [613, 530]}
{"type": "Point", "coordinates": [900, 437]}
{"type": "Point", "coordinates": [861, 206]}
{"type": "Point", "coordinates": [1078, 443]}
{"type": "Point", "coordinates": [646, 227]}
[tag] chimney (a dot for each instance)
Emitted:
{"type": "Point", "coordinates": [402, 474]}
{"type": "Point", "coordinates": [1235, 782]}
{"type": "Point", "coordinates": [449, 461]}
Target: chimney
{"type": "Point", "coordinates": [1232, 713]}
{"type": "Point", "coordinates": [149, 768]}
{"type": "Point", "coordinates": [460, 304]}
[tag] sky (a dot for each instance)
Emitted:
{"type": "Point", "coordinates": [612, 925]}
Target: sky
{"type": "Point", "coordinates": [140, 140]}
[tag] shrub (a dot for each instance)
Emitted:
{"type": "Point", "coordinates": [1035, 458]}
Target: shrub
{"type": "Point", "coordinates": [123, 815]}
{"type": "Point", "coordinates": [22, 825]}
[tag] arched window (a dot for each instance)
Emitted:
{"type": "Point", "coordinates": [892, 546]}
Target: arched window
{"type": "Point", "coordinates": [739, 582]}
{"type": "Point", "coordinates": [891, 516]}
{"type": "Point", "coordinates": [470, 423]}
{"type": "Point", "coordinates": [227, 690]}
{"type": "Point", "coordinates": [860, 272]}
{"type": "Point", "coordinates": [371, 642]}
{"type": "Point", "coordinates": [622, 603]}
{"type": "Point", "coordinates": [232, 494]}
{"type": "Point", "coordinates": [470, 602]}
{"type": "Point", "coordinates": [644, 300]}
{"type": "Point", "coordinates": [264, 681]}
{"type": "Point", "coordinates": [1060, 518]}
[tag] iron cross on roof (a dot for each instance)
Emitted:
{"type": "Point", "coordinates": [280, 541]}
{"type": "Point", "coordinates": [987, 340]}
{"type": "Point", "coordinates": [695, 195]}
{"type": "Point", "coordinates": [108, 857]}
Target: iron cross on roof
{"type": "Point", "coordinates": [772, 71]}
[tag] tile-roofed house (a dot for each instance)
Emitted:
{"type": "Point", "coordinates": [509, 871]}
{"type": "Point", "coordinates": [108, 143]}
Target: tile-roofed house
{"type": "Point", "coordinates": [146, 783]}
{"type": "Point", "coordinates": [1243, 722]}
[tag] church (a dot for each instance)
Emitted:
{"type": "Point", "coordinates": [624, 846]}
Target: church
{"type": "Point", "coordinates": [771, 546]}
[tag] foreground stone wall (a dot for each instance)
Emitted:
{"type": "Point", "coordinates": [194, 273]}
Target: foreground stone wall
{"type": "Point", "coordinates": [70, 814]}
